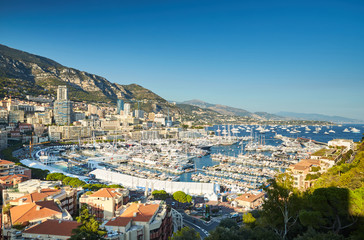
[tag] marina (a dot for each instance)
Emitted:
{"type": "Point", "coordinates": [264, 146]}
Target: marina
{"type": "Point", "coordinates": [236, 158]}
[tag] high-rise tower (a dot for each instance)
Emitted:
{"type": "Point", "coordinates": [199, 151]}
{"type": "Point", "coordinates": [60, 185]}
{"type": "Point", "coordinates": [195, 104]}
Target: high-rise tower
{"type": "Point", "coordinates": [62, 93]}
{"type": "Point", "coordinates": [62, 107]}
{"type": "Point", "coordinates": [120, 106]}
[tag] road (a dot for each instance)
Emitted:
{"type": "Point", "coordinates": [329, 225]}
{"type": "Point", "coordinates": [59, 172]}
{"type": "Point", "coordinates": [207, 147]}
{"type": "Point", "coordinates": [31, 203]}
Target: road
{"type": "Point", "coordinates": [200, 226]}
{"type": "Point", "coordinates": [203, 233]}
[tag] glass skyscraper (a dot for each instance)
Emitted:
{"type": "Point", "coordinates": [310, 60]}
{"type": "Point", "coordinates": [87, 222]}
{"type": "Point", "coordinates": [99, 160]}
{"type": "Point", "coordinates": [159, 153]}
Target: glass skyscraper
{"type": "Point", "coordinates": [62, 107]}
{"type": "Point", "coordinates": [120, 106]}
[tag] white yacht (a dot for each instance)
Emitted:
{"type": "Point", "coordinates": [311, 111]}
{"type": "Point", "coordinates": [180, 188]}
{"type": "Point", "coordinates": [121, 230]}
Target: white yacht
{"type": "Point", "coordinates": [355, 130]}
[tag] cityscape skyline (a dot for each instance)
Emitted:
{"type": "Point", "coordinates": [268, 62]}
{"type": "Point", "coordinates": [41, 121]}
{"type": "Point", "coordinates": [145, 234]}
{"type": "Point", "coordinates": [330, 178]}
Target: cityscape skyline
{"type": "Point", "coordinates": [300, 57]}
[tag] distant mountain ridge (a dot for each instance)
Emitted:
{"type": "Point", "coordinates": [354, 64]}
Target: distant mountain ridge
{"type": "Point", "coordinates": [227, 110]}
{"type": "Point", "coordinates": [318, 117]}
{"type": "Point", "coordinates": [23, 73]}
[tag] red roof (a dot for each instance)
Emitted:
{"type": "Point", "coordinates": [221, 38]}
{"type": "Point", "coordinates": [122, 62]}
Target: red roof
{"type": "Point", "coordinates": [34, 211]}
{"type": "Point", "coordinates": [119, 221]}
{"type": "Point", "coordinates": [54, 227]}
{"type": "Point", "coordinates": [8, 177]}
{"type": "Point", "coordinates": [37, 196]}
{"type": "Point", "coordinates": [249, 197]}
{"type": "Point", "coordinates": [140, 212]}
{"type": "Point", "coordinates": [106, 193]}
{"type": "Point", "coordinates": [5, 162]}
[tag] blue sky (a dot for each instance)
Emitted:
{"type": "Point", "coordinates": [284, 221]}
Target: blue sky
{"type": "Point", "coordinates": [301, 56]}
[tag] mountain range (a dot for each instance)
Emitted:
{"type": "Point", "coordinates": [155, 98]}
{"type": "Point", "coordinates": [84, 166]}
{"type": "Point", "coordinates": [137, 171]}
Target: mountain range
{"type": "Point", "coordinates": [318, 117]}
{"type": "Point", "coordinates": [23, 73]}
{"type": "Point", "coordinates": [227, 110]}
{"type": "Point", "coordinates": [284, 116]}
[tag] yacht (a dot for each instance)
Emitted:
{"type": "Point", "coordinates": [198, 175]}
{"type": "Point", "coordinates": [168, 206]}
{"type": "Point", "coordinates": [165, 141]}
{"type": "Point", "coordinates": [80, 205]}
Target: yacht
{"type": "Point", "coordinates": [355, 130]}
{"type": "Point", "coordinates": [346, 130]}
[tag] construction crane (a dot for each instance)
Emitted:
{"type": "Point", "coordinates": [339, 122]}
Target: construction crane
{"type": "Point", "coordinates": [31, 144]}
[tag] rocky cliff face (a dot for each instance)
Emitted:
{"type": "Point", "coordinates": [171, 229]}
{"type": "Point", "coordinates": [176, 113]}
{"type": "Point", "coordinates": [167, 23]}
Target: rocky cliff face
{"type": "Point", "coordinates": [48, 74]}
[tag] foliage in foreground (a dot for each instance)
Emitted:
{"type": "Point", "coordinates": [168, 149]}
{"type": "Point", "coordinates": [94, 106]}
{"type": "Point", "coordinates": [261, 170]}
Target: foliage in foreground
{"type": "Point", "coordinates": [89, 228]}
{"type": "Point", "coordinates": [333, 209]}
{"type": "Point", "coordinates": [186, 233]}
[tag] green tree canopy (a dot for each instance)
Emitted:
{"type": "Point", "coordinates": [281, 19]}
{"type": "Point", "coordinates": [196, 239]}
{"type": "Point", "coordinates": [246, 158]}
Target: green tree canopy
{"type": "Point", "coordinates": [186, 233]}
{"type": "Point", "coordinates": [89, 228]}
{"type": "Point", "coordinates": [332, 208]}
{"type": "Point", "coordinates": [182, 197]}
{"type": "Point", "coordinates": [160, 194]}
{"type": "Point", "coordinates": [249, 220]}
{"type": "Point", "coordinates": [280, 210]}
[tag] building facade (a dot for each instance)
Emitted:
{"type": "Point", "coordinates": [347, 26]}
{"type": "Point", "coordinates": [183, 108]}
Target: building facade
{"type": "Point", "coordinates": [148, 221]}
{"type": "Point", "coordinates": [120, 106]}
{"type": "Point", "coordinates": [62, 107]}
{"type": "Point", "coordinates": [105, 202]}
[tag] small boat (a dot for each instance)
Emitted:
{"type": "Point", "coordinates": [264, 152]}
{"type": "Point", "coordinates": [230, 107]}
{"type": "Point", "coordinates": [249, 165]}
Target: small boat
{"type": "Point", "coordinates": [326, 133]}
{"type": "Point", "coordinates": [346, 130]}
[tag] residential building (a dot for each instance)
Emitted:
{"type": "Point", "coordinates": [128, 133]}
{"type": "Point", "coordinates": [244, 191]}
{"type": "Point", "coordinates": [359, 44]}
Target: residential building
{"type": "Point", "coordinates": [250, 200]}
{"type": "Point", "coordinates": [301, 169]}
{"type": "Point", "coordinates": [25, 127]}
{"type": "Point", "coordinates": [105, 202]}
{"type": "Point", "coordinates": [127, 109]}
{"type": "Point", "coordinates": [9, 168]}
{"type": "Point", "coordinates": [120, 106]}
{"type": "Point", "coordinates": [346, 143]}
{"type": "Point", "coordinates": [62, 93]}
{"type": "Point", "coordinates": [148, 221]}
{"type": "Point", "coordinates": [62, 107]}
{"type": "Point", "coordinates": [139, 114]}
{"type": "Point", "coordinates": [3, 139]}
{"type": "Point", "coordinates": [37, 211]}
{"type": "Point", "coordinates": [160, 118]}
{"type": "Point", "coordinates": [57, 133]}
{"type": "Point", "coordinates": [41, 118]}
{"type": "Point", "coordinates": [33, 185]}
{"type": "Point", "coordinates": [151, 116]}
{"type": "Point", "coordinates": [91, 109]}
{"type": "Point", "coordinates": [16, 116]}
{"type": "Point", "coordinates": [51, 229]}
{"type": "Point", "coordinates": [77, 116]}
{"type": "Point", "coordinates": [110, 124]}
{"type": "Point", "coordinates": [12, 180]}
{"type": "Point", "coordinates": [4, 116]}
{"type": "Point", "coordinates": [66, 196]}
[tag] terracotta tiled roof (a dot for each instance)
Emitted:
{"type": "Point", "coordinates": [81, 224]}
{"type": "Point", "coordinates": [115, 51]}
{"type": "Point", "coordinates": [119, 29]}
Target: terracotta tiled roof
{"type": "Point", "coordinates": [8, 177]}
{"type": "Point", "coordinates": [5, 162]}
{"type": "Point", "coordinates": [37, 196]}
{"type": "Point", "coordinates": [249, 197]}
{"type": "Point", "coordinates": [119, 221]}
{"type": "Point", "coordinates": [33, 211]}
{"type": "Point", "coordinates": [301, 167]}
{"type": "Point", "coordinates": [106, 193]}
{"type": "Point", "coordinates": [305, 164]}
{"type": "Point", "coordinates": [54, 227]}
{"type": "Point", "coordinates": [140, 212]}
